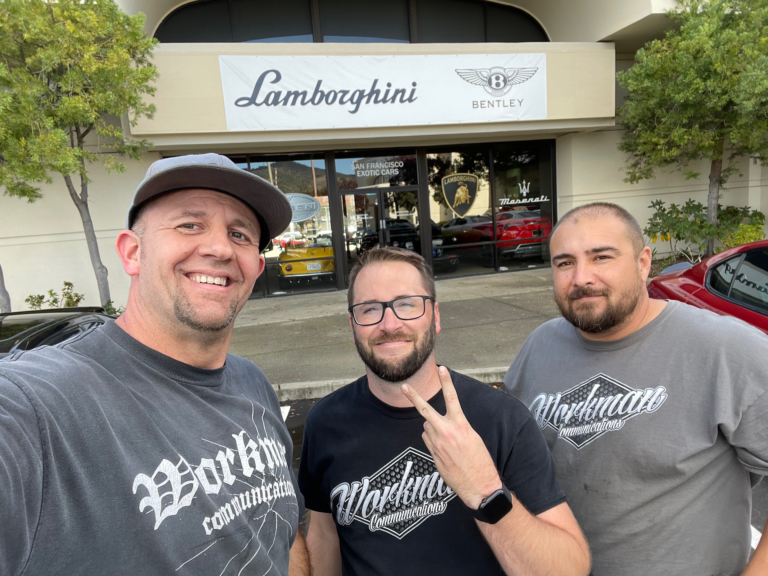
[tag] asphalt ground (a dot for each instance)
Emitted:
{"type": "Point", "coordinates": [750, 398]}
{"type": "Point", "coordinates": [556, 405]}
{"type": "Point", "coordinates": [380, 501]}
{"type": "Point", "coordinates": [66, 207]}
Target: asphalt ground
{"type": "Point", "coordinates": [307, 339]}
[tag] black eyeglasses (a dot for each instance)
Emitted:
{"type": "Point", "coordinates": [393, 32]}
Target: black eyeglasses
{"type": "Point", "coordinates": [405, 308]}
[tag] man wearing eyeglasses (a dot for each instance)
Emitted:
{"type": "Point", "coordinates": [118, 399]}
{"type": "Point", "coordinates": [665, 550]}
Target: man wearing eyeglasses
{"type": "Point", "coordinates": [460, 483]}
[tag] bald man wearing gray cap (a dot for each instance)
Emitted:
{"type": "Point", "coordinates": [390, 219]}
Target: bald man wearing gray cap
{"type": "Point", "coordinates": [142, 446]}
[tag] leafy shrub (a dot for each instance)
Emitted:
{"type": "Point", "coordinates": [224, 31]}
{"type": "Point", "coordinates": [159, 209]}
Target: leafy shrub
{"type": "Point", "coordinates": [687, 230]}
{"type": "Point", "coordinates": [69, 298]}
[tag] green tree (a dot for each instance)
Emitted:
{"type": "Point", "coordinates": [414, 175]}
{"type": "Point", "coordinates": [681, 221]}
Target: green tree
{"type": "Point", "coordinates": [701, 93]}
{"type": "Point", "coordinates": [69, 70]}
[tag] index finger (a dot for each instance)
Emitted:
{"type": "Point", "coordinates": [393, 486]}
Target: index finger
{"type": "Point", "coordinates": [452, 405]}
{"type": "Point", "coordinates": [430, 414]}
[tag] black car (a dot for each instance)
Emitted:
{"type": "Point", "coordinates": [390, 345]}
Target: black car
{"type": "Point", "coordinates": [33, 328]}
{"type": "Point", "coordinates": [403, 234]}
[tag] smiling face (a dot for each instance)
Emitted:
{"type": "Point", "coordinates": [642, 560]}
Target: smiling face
{"type": "Point", "coordinates": [599, 278]}
{"type": "Point", "coordinates": [394, 349]}
{"type": "Point", "coordinates": [199, 259]}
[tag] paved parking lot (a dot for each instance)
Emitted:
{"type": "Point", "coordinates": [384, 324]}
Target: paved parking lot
{"type": "Point", "coordinates": [485, 320]}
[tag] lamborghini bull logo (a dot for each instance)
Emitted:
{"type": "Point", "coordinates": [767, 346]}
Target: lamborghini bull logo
{"type": "Point", "coordinates": [460, 191]}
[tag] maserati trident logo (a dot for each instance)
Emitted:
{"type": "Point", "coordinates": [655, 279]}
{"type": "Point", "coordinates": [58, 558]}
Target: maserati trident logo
{"type": "Point", "coordinates": [525, 187]}
{"type": "Point", "coordinates": [497, 81]}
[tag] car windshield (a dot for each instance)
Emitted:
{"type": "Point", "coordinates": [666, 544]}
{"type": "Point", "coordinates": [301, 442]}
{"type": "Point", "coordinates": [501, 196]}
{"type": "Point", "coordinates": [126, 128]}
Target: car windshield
{"type": "Point", "coordinates": [12, 326]}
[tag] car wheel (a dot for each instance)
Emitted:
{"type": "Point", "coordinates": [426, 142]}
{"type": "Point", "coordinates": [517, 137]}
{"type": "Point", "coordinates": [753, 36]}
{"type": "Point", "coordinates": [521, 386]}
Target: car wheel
{"type": "Point", "coordinates": [283, 283]}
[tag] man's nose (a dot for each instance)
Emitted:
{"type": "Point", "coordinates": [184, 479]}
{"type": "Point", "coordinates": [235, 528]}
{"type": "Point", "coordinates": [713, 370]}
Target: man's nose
{"type": "Point", "coordinates": [217, 243]}
{"type": "Point", "coordinates": [582, 274]}
{"type": "Point", "coordinates": [390, 322]}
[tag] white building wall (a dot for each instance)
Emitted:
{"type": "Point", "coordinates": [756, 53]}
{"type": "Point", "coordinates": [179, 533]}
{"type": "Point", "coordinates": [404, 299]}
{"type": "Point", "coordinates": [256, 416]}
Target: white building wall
{"type": "Point", "coordinates": [590, 169]}
{"type": "Point", "coordinates": [42, 244]}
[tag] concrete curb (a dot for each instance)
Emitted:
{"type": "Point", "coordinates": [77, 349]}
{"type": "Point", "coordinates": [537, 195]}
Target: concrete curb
{"type": "Point", "coordinates": [320, 388]}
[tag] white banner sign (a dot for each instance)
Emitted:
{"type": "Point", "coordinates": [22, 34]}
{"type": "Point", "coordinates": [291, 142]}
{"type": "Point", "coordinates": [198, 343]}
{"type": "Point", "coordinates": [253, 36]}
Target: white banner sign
{"type": "Point", "coordinates": [321, 92]}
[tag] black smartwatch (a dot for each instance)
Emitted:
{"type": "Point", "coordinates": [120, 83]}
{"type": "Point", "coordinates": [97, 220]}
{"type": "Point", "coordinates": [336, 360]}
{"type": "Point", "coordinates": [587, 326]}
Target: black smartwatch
{"type": "Point", "coordinates": [495, 507]}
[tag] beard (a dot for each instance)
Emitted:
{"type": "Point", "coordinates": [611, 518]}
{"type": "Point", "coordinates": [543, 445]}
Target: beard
{"type": "Point", "coordinates": [186, 314]}
{"type": "Point", "coordinates": [397, 370]}
{"type": "Point", "coordinates": [589, 318]}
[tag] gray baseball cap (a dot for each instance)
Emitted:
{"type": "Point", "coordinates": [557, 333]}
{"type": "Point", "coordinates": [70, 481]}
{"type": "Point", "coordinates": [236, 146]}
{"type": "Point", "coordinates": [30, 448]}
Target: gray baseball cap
{"type": "Point", "coordinates": [219, 173]}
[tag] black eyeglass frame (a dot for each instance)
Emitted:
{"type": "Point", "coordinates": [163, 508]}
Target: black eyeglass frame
{"type": "Point", "coordinates": [391, 307]}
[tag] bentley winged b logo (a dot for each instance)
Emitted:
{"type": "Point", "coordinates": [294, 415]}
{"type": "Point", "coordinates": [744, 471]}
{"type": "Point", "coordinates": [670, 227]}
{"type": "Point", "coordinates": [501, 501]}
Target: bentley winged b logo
{"type": "Point", "coordinates": [497, 81]}
{"type": "Point", "coordinates": [460, 191]}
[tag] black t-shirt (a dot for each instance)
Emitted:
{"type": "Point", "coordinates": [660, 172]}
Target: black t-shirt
{"type": "Point", "coordinates": [366, 463]}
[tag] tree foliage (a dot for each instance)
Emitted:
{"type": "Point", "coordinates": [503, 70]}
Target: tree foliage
{"type": "Point", "coordinates": [69, 70]}
{"type": "Point", "coordinates": [701, 93]}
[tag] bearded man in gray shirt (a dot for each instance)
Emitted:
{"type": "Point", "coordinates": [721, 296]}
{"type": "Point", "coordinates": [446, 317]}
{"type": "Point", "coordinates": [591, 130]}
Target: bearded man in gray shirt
{"type": "Point", "coordinates": [142, 446]}
{"type": "Point", "coordinates": [656, 412]}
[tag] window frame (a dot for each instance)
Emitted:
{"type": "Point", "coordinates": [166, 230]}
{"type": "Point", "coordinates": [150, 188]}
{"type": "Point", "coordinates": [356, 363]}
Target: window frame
{"type": "Point", "coordinates": [728, 298]}
{"type": "Point", "coordinates": [412, 8]}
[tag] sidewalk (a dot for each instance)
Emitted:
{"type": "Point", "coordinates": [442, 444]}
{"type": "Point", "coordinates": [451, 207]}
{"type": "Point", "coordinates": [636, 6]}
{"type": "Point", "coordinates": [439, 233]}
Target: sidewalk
{"type": "Point", "coordinates": [304, 343]}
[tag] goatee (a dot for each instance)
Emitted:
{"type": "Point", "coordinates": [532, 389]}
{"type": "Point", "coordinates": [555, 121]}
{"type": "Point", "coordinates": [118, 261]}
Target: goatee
{"type": "Point", "coordinates": [397, 371]}
{"type": "Point", "coordinates": [589, 319]}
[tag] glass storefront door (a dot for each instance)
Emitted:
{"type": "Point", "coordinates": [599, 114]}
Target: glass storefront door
{"type": "Point", "coordinates": [380, 218]}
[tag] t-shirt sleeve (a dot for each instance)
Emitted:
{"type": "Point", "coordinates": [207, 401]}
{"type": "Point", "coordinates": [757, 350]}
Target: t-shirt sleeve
{"type": "Point", "coordinates": [750, 437]}
{"type": "Point", "coordinates": [529, 472]}
{"type": "Point", "coordinates": [310, 476]}
{"type": "Point", "coordinates": [21, 477]}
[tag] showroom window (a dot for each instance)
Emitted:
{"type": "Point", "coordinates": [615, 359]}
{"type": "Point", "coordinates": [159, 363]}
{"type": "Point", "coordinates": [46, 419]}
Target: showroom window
{"type": "Point", "coordinates": [300, 258]}
{"type": "Point", "coordinates": [362, 21]}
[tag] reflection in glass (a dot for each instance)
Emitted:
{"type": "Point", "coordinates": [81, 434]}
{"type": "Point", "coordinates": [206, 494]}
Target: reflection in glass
{"type": "Point", "coordinates": [751, 283]}
{"type": "Point", "coordinates": [523, 210]}
{"type": "Point", "coordinates": [301, 256]}
{"type": "Point", "coordinates": [450, 21]}
{"type": "Point", "coordinates": [721, 276]}
{"type": "Point", "coordinates": [448, 260]}
{"type": "Point", "coordinates": [238, 21]}
{"type": "Point", "coordinates": [364, 21]}
{"type": "Point", "coordinates": [460, 196]}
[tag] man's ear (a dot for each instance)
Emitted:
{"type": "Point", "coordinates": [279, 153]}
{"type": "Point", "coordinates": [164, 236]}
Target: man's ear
{"type": "Point", "coordinates": [262, 265]}
{"type": "Point", "coordinates": [128, 246]}
{"type": "Point", "coordinates": [437, 319]}
{"type": "Point", "coordinates": [644, 261]}
{"type": "Point", "coordinates": [351, 325]}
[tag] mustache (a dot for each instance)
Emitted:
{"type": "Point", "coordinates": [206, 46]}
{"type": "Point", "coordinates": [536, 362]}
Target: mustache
{"type": "Point", "coordinates": [584, 292]}
{"type": "Point", "coordinates": [390, 337]}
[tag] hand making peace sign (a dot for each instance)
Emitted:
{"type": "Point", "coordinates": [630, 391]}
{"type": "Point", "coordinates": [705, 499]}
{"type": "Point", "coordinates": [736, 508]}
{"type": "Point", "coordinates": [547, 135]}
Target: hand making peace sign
{"type": "Point", "coordinates": [460, 454]}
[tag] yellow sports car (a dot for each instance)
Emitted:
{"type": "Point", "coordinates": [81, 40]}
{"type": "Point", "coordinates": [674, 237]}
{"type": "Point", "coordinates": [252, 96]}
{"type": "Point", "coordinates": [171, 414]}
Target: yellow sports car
{"type": "Point", "coordinates": [297, 266]}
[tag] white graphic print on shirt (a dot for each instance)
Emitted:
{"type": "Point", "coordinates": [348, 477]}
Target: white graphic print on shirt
{"type": "Point", "coordinates": [256, 461]}
{"type": "Point", "coordinates": [397, 498]}
{"type": "Point", "coordinates": [595, 407]}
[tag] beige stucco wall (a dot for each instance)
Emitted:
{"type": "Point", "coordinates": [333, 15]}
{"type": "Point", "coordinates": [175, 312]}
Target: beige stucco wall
{"type": "Point", "coordinates": [42, 244]}
{"type": "Point", "coordinates": [589, 169]}
{"type": "Point", "coordinates": [190, 102]}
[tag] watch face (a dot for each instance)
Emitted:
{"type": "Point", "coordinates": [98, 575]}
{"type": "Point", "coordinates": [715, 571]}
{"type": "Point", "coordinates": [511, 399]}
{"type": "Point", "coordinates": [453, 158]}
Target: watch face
{"type": "Point", "coordinates": [496, 506]}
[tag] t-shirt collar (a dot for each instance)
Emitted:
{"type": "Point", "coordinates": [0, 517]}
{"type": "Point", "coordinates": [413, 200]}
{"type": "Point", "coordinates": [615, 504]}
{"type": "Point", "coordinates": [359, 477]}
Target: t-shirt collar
{"type": "Point", "coordinates": [437, 402]}
{"type": "Point", "coordinates": [632, 338]}
{"type": "Point", "coordinates": [165, 365]}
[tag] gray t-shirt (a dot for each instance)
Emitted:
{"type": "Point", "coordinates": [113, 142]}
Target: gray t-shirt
{"type": "Point", "coordinates": [116, 459]}
{"type": "Point", "coordinates": [654, 437]}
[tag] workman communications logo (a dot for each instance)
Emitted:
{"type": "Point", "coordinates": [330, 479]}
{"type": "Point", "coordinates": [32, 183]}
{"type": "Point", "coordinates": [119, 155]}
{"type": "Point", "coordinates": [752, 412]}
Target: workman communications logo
{"type": "Point", "coordinates": [398, 498]}
{"type": "Point", "coordinates": [593, 408]}
{"type": "Point", "coordinates": [497, 81]}
{"type": "Point", "coordinates": [460, 192]}
{"type": "Point", "coordinates": [237, 487]}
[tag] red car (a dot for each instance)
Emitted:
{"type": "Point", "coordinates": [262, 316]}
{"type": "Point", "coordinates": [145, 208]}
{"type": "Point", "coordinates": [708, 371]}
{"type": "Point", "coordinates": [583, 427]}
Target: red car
{"type": "Point", "coordinates": [523, 233]}
{"type": "Point", "coordinates": [732, 283]}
